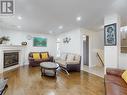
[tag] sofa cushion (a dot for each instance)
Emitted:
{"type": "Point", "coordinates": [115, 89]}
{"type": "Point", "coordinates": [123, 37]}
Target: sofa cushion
{"type": "Point", "coordinates": [38, 60]}
{"type": "Point", "coordinates": [116, 80]}
{"type": "Point", "coordinates": [77, 58]}
{"type": "Point", "coordinates": [72, 62]}
{"type": "Point", "coordinates": [36, 56]}
{"type": "Point", "coordinates": [70, 57]}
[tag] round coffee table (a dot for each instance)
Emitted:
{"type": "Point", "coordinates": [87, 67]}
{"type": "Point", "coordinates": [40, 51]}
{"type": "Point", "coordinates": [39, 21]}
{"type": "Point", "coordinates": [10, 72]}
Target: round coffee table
{"type": "Point", "coordinates": [46, 67]}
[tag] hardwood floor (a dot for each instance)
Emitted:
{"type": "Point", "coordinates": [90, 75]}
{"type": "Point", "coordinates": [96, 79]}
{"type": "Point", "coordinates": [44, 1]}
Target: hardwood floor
{"type": "Point", "coordinates": [28, 81]}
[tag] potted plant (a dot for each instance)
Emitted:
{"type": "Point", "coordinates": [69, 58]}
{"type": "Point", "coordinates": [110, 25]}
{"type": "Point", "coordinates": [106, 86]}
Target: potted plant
{"type": "Point", "coordinates": [4, 39]}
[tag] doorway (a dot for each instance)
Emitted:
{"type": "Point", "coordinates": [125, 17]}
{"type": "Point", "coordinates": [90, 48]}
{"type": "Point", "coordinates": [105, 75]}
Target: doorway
{"type": "Point", "coordinates": [86, 50]}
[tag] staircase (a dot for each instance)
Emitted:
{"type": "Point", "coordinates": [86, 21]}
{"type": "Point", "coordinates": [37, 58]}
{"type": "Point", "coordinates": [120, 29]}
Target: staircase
{"type": "Point", "coordinates": [100, 55]}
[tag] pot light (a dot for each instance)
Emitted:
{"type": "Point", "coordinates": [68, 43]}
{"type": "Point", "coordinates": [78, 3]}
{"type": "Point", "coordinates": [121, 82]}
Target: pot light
{"type": "Point", "coordinates": [60, 27]}
{"type": "Point", "coordinates": [19, 26]}
{"type": "Point", "coordinates": [79, 18]}
{"type": "Point", "coordinates": [50, 32]}
{"type": "Point", "coordinates": [19, 17]}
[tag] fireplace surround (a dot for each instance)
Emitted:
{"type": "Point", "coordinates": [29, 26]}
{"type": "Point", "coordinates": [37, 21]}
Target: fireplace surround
{"type": "Point", "coordinates": [16, 53]}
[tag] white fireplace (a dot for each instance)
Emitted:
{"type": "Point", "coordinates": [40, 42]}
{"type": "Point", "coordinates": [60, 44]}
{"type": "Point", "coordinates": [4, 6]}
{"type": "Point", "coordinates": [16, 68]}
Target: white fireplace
{"type": "Point", "coordinates": [6, 49]}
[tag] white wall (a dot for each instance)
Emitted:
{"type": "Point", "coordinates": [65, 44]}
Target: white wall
{"type": "Point", "coordinates": [99, 37]}
{"type": "Point", "coordinates": [74, 45]}
{"type": "Point", "coordinates": [16, 37]}
{"type": "Point", "coordinates": [123, 61]}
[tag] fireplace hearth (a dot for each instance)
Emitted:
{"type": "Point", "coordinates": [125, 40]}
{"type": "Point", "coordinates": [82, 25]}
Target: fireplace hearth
{"type": "Point", "coordinates": [11, 59]}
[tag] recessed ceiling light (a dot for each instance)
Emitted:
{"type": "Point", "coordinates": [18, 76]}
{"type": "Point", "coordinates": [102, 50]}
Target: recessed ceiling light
{"type": "Point", "coordinates": [19, 17]}
{"type": "Point", "coordinates": [60, 27]}
{"type": "Point", "coordinates": [79, 18]}
{"type": "Point", "coordinates": [50, 32]}
{"type": "Point", "coordinates": [19, 26]}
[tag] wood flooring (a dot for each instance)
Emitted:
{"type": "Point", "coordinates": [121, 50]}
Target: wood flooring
{"type": "Point", "coordinates": [28, 81]}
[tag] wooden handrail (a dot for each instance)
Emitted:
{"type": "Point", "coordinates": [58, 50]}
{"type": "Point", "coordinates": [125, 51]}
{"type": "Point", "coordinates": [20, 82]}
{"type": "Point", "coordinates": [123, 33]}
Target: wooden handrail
{"type": "Point", "coordinates": [100, 59]}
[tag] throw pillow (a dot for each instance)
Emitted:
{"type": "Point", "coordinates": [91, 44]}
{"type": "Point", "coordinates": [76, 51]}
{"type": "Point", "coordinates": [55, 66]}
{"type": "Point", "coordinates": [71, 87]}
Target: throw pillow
{"type": "Point", "coordinates": [36, 56]}
{"type": "Point", "coordinates": [44, 56]}
{"type": "Point", "coordinates": [124, 76]}
{"type": "Point", "coordinates": [70, 57]}
{"type": "Point", "coordinates": [77, 58]}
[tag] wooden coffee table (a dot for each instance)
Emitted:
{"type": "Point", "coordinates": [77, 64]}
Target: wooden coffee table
{"type": "Point", "coordinates": [48, 67]}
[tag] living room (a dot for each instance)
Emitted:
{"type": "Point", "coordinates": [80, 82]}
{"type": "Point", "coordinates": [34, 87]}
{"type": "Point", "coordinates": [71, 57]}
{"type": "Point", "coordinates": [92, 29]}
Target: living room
{"type": "Point", "coordinates": [63, 47]}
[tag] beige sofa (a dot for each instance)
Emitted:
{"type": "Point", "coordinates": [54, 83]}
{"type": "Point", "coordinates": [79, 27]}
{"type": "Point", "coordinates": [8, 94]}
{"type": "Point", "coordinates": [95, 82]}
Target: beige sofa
{"type": "Point", "coordinates": [69, 61]}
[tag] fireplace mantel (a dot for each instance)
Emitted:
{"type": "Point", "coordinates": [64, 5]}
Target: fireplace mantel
{"type": "Point", "coordinates": [5, 48]}
{"type": "Point", "coordinates": [11, 46]}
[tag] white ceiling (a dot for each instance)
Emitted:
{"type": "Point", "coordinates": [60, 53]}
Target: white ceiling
{"type": "Point", "coordinates": [43, 16]}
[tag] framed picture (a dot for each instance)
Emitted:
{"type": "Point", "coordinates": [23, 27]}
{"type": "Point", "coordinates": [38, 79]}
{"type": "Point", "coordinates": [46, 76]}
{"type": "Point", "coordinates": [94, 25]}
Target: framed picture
{"type": "Point", "coordinates": [110, 35]}
{"type": "Point", "coordinates": [39, 42]}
